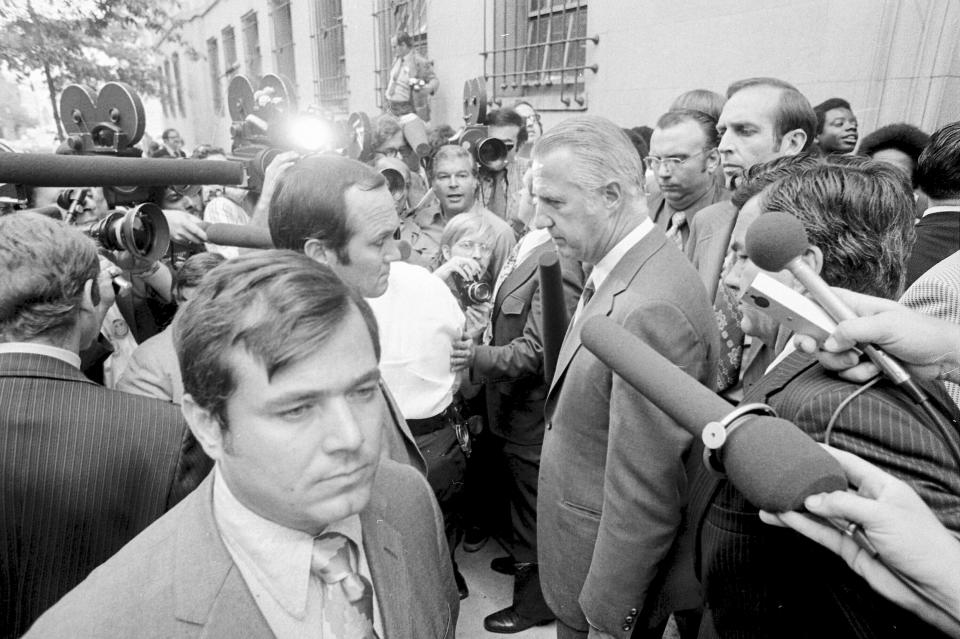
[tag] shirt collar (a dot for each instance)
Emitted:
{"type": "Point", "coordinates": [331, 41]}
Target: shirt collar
{"type": "Point", "coordinates": [35, 348]}
{"type": "Point", "coordinates": [604, 267]}
{"type": "Point", "coordinates": [941, 209]}
{"type": "Point", "coordinates": [277, 555]}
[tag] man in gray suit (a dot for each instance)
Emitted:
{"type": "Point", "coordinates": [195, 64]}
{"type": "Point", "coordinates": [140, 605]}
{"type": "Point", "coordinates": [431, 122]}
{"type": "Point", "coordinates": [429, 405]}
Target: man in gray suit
{"type": "Point", "coordinates": [301, 530]}
{"type": "Point", "coordinates": [613, 480]}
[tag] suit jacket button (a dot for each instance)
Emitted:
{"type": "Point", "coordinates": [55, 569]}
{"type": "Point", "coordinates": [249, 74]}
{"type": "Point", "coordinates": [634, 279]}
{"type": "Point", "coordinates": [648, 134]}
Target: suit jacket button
{"type": "Point", "coordinates": [633, 612]}
{"type": "Point", "coordinates": [626, 626]}
{"type": "Point", "coordinates": [549, 425]}
{"type": "Point", "coordinates": [629, 619]}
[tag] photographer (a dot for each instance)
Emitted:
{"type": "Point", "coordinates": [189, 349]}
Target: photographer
{"type": "Point", "coordinates": [499, 182]}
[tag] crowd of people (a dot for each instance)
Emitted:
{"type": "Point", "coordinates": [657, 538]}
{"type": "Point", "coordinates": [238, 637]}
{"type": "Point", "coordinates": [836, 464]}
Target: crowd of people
{"type": "Point", "coordinates": [297, 441]}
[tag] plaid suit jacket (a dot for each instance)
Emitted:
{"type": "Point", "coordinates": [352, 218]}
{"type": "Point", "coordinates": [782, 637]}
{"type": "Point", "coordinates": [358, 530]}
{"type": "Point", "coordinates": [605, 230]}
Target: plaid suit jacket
{"type": "Point", "coordinates": [84, 470]}
{"type": "Point", "coordinates": [763, 581]}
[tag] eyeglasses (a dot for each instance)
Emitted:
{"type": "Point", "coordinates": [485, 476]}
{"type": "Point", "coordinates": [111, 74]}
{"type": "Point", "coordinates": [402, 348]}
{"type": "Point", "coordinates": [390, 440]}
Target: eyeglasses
{"type": "Point", "coordinates": [470, 245]}
{"type": "Point", "coordinates": [673, 163]}
{"type": "Point", "coordinates": [390, 152]}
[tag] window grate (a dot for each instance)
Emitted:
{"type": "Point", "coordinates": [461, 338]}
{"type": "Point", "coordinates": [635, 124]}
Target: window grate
{"type": "Point", "coordinates": [389, 17]}
{"type": "Point", "coordinates": [229, 39]}
{"type": "Point", "coordinates": [178, 83]}
{"type": "Point", "coordinates": [251, 46]}
{"type": "Point", "coordinates": [213, 59]}
{"type": "Point", "coordinates": [538, 48]}
{"type": "Point", "coordinates": [330, 81]}
{"type": "Point", "coordinates": [283, 40]}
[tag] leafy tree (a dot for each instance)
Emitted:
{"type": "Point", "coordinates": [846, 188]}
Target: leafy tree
{"type": "Point", "coordinates": [86, 42]}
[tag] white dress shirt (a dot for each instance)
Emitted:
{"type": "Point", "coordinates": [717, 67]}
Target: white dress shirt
{"type": "Point", "coordinates": [602, 269]}
{"type": "Point", "coordinates": [419, 318]}
{"type": "Point", "coordinates": [275, 563]}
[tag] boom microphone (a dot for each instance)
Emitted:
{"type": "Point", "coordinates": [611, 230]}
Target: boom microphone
{"type": "Point", "coordinates": [45, 169]}
{"type": "Point", "coordinates": [771, 461]}
{"type": "Point", "coordinates": [241, 235]}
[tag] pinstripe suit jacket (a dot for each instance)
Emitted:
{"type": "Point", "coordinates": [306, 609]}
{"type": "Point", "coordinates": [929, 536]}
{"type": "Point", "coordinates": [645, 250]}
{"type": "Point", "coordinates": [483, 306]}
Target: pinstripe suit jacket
{"type": "Point", "coordinates": [762, 581]}
{"type": "Point", "coordinates": [937, 293]}
{"type": "Point", "coordinates": [84, 470]}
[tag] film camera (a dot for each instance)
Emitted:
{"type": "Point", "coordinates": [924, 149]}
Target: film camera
{"type": "Point", "coordinates": [487, 152]}
{"type": "Point", "coordinates": [471, 292]}
{"type": "Point", "coordinates": [266, 122]}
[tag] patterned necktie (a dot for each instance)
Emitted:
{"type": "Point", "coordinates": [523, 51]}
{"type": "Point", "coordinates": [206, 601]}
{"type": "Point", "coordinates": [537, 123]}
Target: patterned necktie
{"type": "Point", "coordinates": [726, 309]}
{"type": "Point", "coordinates": [585, 297]}
{"type": "Point", "coordinates": [675, 232]}
{"type": "Point", "coordinates": [504, 273]}
{"type": "Point", "coordinates": [348, 595]}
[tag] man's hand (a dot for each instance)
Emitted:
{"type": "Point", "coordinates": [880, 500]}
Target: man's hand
{"type": "Point", "coordinates": [908, 536]}
{"type": "Point", "coordinates": [461, 356]}
{"type": "Point", "coordinates": [184, 227]}
{"type": "Point", "coordinates": [466, 267]}
{"type": "Point", "coordinates": [104, 283]}
{"type": "Point", "coordinates": [928, 347]}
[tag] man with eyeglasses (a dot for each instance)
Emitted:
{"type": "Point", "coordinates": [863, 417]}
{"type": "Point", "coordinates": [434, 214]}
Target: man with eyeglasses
{"type": "Point", "coordinates": [686, 163]}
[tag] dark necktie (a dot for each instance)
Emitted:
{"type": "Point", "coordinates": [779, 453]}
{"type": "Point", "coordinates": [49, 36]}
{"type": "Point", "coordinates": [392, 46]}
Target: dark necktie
{"type": "Point", "coordinates": [348, 600]}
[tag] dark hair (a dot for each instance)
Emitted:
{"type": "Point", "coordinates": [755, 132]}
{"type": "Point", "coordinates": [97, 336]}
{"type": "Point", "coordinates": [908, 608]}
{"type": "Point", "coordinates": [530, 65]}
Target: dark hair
{"type": "Point", "coordinates": [828, 105]}
{"type": "Point", "coordinates": [938, 169]}
{"type": "Point", "coordinates": [860, 213]}
{"type": "Point", "coordinates": [45, 264]}
{"type": "Point", "coordinates": [192, 272]}
{"type": "Point", "coordinates": [901, 136]}
{"type": "Point", "coordinates": [643, 149]}
{"type": "Point", "coordinates": [404, 38]}
{"type": "Point", "coordinates": [710, 102]}
{"type": "Point", "coordinates": [644, 132]}
{"type": "Point", "coordinates": [760, 176]}
{"type": "Point", "coordinates": [166, 134]}
{"type": "Point", "coordinates": [310, 202]}
{"type": "Point", "coordinates": [278, 306]}
{"type": "Point", "coordinates": [506, 116]}
{"type": "Point", "coordinates": [793, 109]}
{"type": "Point", "coordinates": [707, 124]}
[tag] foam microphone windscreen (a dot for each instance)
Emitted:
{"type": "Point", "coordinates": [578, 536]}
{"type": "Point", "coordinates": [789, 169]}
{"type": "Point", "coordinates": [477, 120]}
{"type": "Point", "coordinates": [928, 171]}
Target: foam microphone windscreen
{"type": "Point", "coordinates": [554, 318]}
{"type": "Point", "coordinates": [774, 239]}
{"type": "Point", "coordinates": [240, 235]}
{"type": "Point", "coordinates": [771, 461]}
{"type": "Point", "coordinates": [47, 169]}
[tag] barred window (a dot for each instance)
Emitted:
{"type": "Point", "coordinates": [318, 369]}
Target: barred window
{"type": "Point", "coordinates": [538, 48]}
{"type": "Point", "coordinates": [213, 59]}
{"type": "Point", "coordinates": [283, 40]}
{"type": "Point", "coordinates": [330, 87]}
{"type": "Point", "coordinates": [251, 46]}
{"type": "Point", "coordinates": [230, 62]}
{"type": "Point", "coordinates": [178, 83]}
{"type": "Point", "coordinates": [390, 17]}
{"type": "Point", "coordinates": [164, 94]}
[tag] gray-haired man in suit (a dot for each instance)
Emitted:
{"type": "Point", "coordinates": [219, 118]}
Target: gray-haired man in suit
{"type": "Point", "coordinates": [612, 473]}
{"type": "Point", "coordinates": [301, 530]}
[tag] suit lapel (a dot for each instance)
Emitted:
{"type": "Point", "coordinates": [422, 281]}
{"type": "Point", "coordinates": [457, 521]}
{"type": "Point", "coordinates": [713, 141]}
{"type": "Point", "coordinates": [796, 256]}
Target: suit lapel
{"type": "Point", "coordinates": [209, 590]}
{"type": "Point", "coordinates": [524, 271]}
{"type": "Point", "coordinates": [602, 303]}
{"type": "Point", "coordinates": [384, 550]}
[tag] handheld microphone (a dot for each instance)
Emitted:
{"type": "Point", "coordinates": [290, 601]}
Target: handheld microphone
{"type": "Point", "coordinates": [771, 461]}
{"type": "Point", "coordinates": [47, 169]}
{"type": "Point", "coordinates": [554, 311]}
{"type": "Point", "coordinates": [777, 241]}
